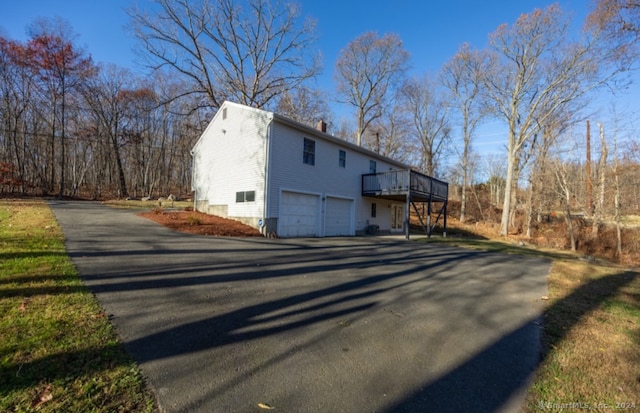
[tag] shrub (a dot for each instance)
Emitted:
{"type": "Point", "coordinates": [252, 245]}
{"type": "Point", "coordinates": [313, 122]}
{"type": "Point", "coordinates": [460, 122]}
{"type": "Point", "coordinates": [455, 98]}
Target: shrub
{"type": "Point", "coordinates": [194, 220]}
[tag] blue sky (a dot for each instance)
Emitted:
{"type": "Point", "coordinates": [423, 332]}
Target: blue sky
{"type": "Point", "coordinates": [431, 30]}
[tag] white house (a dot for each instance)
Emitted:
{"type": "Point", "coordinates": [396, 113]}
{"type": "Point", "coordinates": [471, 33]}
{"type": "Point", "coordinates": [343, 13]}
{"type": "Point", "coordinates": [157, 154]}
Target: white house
{"type": "Point", "coordinates": [292, 180]}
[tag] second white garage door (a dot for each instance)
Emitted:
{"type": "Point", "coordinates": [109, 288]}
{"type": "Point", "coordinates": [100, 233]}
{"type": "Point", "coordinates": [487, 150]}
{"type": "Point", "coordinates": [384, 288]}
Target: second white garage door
{"type": "Point", "coordinates": [299, 215]}
{"type": "Point", "coordinates": [338, 217]}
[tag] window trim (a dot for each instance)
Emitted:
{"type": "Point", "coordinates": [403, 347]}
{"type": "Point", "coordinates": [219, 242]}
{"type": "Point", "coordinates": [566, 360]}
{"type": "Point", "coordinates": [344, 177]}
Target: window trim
{"type": "Point", "coordinates": [245, 196]}
{"type": "Point", "coordinates": [342, 158]}
{"type": "Point", "coordinates": [309, 152]}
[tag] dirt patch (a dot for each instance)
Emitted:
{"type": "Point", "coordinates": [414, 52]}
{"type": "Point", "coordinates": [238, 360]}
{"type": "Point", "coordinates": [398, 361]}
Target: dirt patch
{"type": "Point", "coordinates": [193, 222]}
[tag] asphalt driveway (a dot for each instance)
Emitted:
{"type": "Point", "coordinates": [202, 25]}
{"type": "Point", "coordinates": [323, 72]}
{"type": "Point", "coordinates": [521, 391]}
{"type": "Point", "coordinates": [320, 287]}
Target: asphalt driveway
{"type": "Point", "coordinates": [311, 325]}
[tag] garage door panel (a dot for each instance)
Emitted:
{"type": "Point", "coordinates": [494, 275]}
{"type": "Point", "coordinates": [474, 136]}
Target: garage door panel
{"type": "Point", "coordinates": [298, 215]}
{"type": "Point", "coordinates": [338, 217]}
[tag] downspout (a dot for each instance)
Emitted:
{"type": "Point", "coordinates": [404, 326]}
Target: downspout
{"type": "Point", "coordinates": [193, 179]}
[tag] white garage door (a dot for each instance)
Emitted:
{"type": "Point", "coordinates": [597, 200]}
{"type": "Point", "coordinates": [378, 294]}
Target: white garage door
{"type": "Point", "coordinates": [299, 215]}
{"type": "Point", "coordinates": [338, 217]}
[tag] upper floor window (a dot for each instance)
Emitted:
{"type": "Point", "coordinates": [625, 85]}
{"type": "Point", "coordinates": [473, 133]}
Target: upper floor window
{"type": "Point", "coordinates": [372, 167]}
{"type": "Point", "coordinates": [309, 152]}
{"type": "Point", "coordinates": [342, 159]}
{"type": "Point", "coordinates": [224, 113]}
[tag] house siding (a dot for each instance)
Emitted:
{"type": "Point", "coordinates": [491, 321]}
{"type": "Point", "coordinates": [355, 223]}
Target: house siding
{"type": "Point", "coordinates": [247, 149]}
{"type": "Point", "coordinates": [288, 172]}
{"type": "Point", "coordinates": [230, 157]}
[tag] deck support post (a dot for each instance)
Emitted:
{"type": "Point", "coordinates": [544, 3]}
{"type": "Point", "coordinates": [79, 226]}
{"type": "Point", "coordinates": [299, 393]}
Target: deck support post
{"type": "Point", "coordinates": [407, 214]}
{"type": "Point", "coordinates": [429, 218]}
{"type": "Point", "coordinates": [444, 232]}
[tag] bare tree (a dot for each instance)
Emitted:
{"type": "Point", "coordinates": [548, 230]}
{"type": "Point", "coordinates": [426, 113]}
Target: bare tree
{"type": "Point", "coordinates": [304, 105]}
{"type": "Point", "coordinates": [562, 171]}
{"type": "Point", "coordinates": [620, 19]}
{"type": "Point", "coordinates": [496, 169]}
{"type": "Point", "coordinates": [539, 197]}
{"type": "Point", "coordinates": [107, 96]}
{"type": "Point", "coordinates": [540, 72]}
{"type": "Point", "coordinates": [250, 55]}
{"type": "Point", "coordinates": [602, 182]}
{"type": "Point", "coordinates": [389, 135]}
{"type": "Point", "coordinates": [61, 67]}
{"type": "Point", "coordinates": [368, 71]}
{"type": "Point", "coordinates": [616, 198]}
{"type": "Point", "coordinates": [16, 98]}
{"type": "Point", "coordinates": [430, 118]}
{"type": "Point", "coordinates": [462, 76]}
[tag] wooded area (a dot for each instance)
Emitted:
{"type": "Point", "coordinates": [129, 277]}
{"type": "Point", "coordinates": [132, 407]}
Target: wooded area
{"type": "Point", "coordinates": [70, 127]}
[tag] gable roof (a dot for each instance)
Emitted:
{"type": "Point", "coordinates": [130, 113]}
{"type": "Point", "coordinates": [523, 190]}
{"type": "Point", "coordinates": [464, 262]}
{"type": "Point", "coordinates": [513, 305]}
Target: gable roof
{"type": "Point", "coordinates": [310, 131]}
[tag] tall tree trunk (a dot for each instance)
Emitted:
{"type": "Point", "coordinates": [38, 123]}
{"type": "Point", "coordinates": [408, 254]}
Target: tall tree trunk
{"type": "Point", "coordinates": [602, 170]}
{"type": "Point", "coordinates": [465, 177]}
{"type": "Point", "coordinates": [52, 149]}
{"type": "Point", "coordinates": [530, 207]}
{"type": "Point", "coordinates": [616, 175]}
{"type": "Point", "coordinates": [569, 219]}
{"type": "Point", "coordinates": [509, 185]}
{"type": "Point", "coordinates": [589, 184]}
{"type": "Point", "coordinates": [121, 176]}
{"type": "Point", "coordinates": [62, 143]}
{"type": "Point", "coordinates": [506, 205]}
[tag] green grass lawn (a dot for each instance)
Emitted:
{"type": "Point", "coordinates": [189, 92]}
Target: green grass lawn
{"type": "Point", "coordinates": [58, 350]}
{"type": "Point", "coordinates": [591, 332]}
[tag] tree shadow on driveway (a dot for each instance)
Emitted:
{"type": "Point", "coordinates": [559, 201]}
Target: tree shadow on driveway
{"type": "Point", "coordinates": [348, 325]}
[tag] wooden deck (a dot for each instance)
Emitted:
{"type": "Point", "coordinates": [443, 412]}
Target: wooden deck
{"type": "Point", "coordinates": [411, 187]}
{"type": "Point", "coordinates": [397, 185]}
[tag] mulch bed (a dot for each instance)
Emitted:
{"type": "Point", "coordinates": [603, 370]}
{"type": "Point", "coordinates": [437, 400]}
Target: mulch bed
{"type": "Point", "coordinates": [194, 222]}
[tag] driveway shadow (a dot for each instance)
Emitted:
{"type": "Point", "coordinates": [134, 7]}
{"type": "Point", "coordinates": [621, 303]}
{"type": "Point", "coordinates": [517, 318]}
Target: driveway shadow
{"type": "Point", "coordinates": [341, 325]}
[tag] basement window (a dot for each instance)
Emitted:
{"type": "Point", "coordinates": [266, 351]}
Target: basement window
{"type": "Point", "coordinates": [246, 196]}
{"type": "Point", "coordinates": [309, 152]}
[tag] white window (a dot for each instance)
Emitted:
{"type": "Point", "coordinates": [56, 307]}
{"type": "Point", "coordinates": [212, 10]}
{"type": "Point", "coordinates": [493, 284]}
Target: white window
{"type": "Point", "coordinates": [246, 196]}
{"type": "Point", "coordinates": [342, 159]}
{"type": "Point", "coordinates": [309, 152]}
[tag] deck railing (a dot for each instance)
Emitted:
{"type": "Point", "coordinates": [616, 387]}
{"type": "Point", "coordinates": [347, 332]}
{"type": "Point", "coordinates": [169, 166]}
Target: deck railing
{"type": "Point", "coordinates": [401, 182]}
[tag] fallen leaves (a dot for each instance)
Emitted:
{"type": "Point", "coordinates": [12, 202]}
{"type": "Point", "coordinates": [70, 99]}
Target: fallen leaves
{"type": "Point", "coordinates": [43, 396]}
{"type": "Point", "coordinates": [201, 224]}
{"type": "Point", "coordinates": [265, 406]}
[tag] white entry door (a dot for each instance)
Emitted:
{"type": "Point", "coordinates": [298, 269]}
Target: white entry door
{"type": "Point", "coordinates": [397, 217]}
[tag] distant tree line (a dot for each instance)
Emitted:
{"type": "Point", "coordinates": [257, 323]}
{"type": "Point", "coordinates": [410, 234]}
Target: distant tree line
{"type": "Point", "coordinates": [73, 128]}
{"type": "Point", "coordinates": [70, 127]}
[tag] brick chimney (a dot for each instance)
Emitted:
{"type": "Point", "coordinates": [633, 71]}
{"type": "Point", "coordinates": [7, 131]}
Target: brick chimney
{"type": "Point", "coordinates": [322, 126]}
